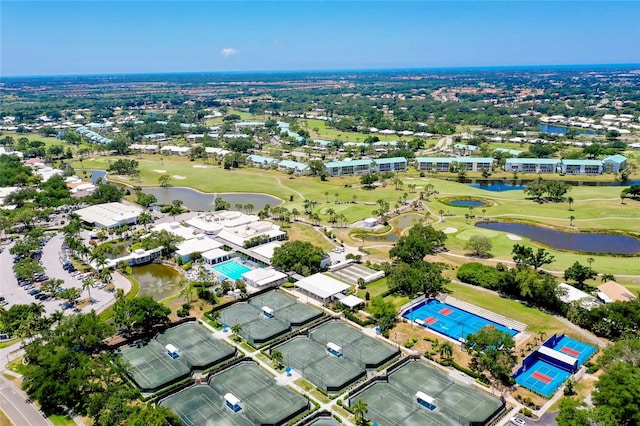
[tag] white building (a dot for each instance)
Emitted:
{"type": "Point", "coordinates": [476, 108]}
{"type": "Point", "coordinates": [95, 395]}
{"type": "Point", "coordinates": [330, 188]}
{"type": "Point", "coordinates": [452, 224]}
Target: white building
{"type": "Point", "coordinates": [264, 277]}
{"type": "Point", "coordinates": [110, 215]}
{"type": "Point", "coordinates": [236, 227]}
{"type": "Point", "coordinates": [200, 244]}
{"type": "Point", "coordinates": [322, 287]}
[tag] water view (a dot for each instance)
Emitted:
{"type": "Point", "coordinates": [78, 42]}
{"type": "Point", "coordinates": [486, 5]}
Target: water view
{"type": "Point", "coordinates": [467, 203]}
{"type": "Point", "coordinates": [548, 128]}
{"type": "Point", "coordinates": [590, 243]}
{"type": "Point", "coordinates": [497, 185]}
{"type": "Point", "coordinates": [200, 201]}
{"type": "Point", "coordinates": [406, 220]}
{"type": "Point", "coordinates": [157, 281]}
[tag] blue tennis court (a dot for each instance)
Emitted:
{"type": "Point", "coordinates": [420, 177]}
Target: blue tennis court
{"type": "Point", "coordinates": [575, 348]}
{"type": "Point", "coordinates": [231, 269]}
{"type": "Point", "coordinates": [449, 320]}
{"type": "Point", "coordinates": [542, 378]}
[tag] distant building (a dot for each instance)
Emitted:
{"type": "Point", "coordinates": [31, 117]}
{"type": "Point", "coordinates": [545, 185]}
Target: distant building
{"type": "Point", "coordinates": [443, 164]}
{"type": "Point", "coordinates": [615, 163]}
{"type": "Point", "coordinates": [109, 215]}
{"type": "Point", "coordinates": [611, 291]}
{"type": "Point", "coordinates": [359, 167]}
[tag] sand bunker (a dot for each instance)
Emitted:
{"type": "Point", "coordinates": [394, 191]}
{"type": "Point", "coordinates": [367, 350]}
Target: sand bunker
{"type": "Point", "coordinates": [199, 166]}
{"type": "Point", "coordinates": [450, 230]}
{"type": "Point", "coordinates": [513, 237]}
{"type": "Point", "coordinates": [159, 171]}
{"type": "Point", "coordinates": [179, 177]}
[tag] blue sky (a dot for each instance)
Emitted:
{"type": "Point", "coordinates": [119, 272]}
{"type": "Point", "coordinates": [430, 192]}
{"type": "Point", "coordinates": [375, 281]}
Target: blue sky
{"type": "Point", "coordinates": [50, 38]}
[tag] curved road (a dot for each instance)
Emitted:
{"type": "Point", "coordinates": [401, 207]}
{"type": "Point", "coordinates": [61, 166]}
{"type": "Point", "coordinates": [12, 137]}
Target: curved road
{"type": "Point", "coordinates": [12, 400]}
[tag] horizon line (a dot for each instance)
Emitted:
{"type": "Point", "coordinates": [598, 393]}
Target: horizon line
{"type": "Point", "coordinates": [338, 70]}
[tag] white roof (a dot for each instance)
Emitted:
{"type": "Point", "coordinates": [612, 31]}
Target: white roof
{"type": "Point", "coordinates": [567, 359]}
{"type": "Point", "coordinates": [171, 348]}
{"type": "Point", "coordinates": [263, 276]}
{"type": "Point", "coordinates": [176, 229]}
{"type": "Point", "coordinates": [216, 253]}
{"type": "Point", "coordinates": [334, 347]}
{"type": "Point", "coordinates": [351, 301]}
{"type": "Point", "coordinates": [266, 250]}
{"type": "Point", "coordinates": [200, 244]}
{"type": "Point", "coordinates": [322, 285]}
{"type": "Point", "coordinates": [426, 398]}
{"type": "Point", "coordinates": [109, 214]}
{"type": "Point", "coordinates": [231, 399]}
{"type": "Point", "coordinates": [572, 294]}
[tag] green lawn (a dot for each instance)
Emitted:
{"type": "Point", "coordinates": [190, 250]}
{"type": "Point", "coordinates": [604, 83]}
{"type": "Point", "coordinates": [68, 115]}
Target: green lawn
{"type": "Point", "coordinates": [536, 320]}
{"type": "Point", "coordinates": [61, 420]}
{"type": "Point", "coordinates": [596, 208]}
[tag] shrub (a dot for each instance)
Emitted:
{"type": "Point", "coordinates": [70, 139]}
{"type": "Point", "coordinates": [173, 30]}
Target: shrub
{"type": "Point", "coordinates": [478, 274]}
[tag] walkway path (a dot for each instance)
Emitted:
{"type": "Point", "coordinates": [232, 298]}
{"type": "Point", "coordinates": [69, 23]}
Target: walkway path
{"type": "Point", "coordinates": [278, 376]}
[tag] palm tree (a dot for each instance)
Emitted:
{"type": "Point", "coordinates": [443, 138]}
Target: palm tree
{"type": "Point", "coordinates": [337, 194]}
{"type": "Point", "coordinates": [326, 196]}
{"type": "Point", "coordinates": [56, 317]}
{"type": "Point", "coordinates": [236, 329]}
{"type": "Point", "coordinates": [427, 215]}
{"type": "Point", "coordinates": [446, 350]}
{"type": "Point", "coordinates": [277, 357]}
{"type": "Point", "coordinates": [571, 218]}
{"type": "Point", "coordinates": [215, 316]}
{"type": "Point", "coordinates": [360, 408]}
{"type": "Point", "coordinates": [570, 201]}
{"type": "Point", "coordinates": [295, 213]}
{"type": "Point", "coordinates": [483, 212]}
{"type": "Point", "coordinates": [86, 285]}
{"type": "Point", "coordinates": [607, 277]}
{"type": "Point", "coordinates": [144, 219]}
{"type": "Point", "coordinates": [441, 213]}
{"type": "Point", "coordinates": [590, 261]}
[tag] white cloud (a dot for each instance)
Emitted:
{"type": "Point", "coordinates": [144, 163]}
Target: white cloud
{"type": "Point", "coordinates": [229, 51]}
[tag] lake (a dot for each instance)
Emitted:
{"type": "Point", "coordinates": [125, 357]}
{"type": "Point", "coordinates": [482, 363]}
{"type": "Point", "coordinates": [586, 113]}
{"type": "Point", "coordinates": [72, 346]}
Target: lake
{"type": "Point", "coordinates": [549, 128]}
{"type": "Point", "coordinates": [157, 281]}
{"type": "Point", "coordinates": [499, 185]}
{"type": "Point", "coordinates": [591, 243]}
{"type": "Point", "coordinates": [467, 203]}
{"type": "Point", "coordinates": [406, 220]}
{"type": "Point", "coordinates": [200, 201]}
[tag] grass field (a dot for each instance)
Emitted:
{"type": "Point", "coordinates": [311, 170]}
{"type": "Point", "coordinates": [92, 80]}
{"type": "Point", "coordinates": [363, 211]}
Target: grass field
{"type": "Point", "coordinates": [597, 208]}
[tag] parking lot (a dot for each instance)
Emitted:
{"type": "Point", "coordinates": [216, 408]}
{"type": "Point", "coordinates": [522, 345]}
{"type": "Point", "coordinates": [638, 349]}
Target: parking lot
{"type": "Point", "coordinates": [53, 266]}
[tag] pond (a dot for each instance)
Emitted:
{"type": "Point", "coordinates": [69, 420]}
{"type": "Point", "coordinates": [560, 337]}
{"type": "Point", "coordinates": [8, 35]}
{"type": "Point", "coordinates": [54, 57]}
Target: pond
{"type": "Point", "coordinates": [406, 220]}
{"type": "Point", "coordinates": [590, 243]}
{"type": "Point", "coordinates": [201, 201]}
{"type": "Point", "coordinates": [548, 128]}
{"type": "Point", "coordinates": [157, 281]}
{"type": "Point", "coordinates": [467, 203]}
{"type": "Point", "coordinates": [96, 174]}
{"type": "Point", "coordinates": [391, 237]}
{"type": "Point", "coordinates": [499, 185]}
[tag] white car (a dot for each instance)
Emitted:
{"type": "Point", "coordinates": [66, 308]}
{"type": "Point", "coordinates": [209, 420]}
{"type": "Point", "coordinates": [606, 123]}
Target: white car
{"type": "Point", "coordinates": [517, 421]}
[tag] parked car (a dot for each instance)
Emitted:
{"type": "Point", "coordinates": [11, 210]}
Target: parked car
{"type": "Point", "coordinates": [517, 421]}
{"type": "Point", "coordinates": [33, 292]}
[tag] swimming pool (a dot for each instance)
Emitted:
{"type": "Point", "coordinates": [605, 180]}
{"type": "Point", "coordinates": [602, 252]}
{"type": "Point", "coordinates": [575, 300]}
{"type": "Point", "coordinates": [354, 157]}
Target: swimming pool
{"type": "Point", "coordinates": [449, 320]}
{"type": "Point", "coordinates": [231, 269]}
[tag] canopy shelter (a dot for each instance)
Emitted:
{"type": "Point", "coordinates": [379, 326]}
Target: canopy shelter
{"type": "Point", "coordinates": [232, 402]}
{"type": "Point", "coordinates": [351, 301]}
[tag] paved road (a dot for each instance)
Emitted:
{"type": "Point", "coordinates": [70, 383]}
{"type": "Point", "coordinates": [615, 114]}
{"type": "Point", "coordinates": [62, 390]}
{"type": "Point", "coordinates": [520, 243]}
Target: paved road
{"type": "Point", "coordinates": [13, 401]}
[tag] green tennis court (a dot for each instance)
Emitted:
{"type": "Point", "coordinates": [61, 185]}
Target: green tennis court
{"type": "Point", "coordinates": [256, 327]}
{"type": "Point", "coordinates": [286, 308]}
{"type": "Point", "coordinates": [388, 405]}
{"type": "Point", "coordinates": [308, 355]}
{"type": "Point", "coordinates": [455, 402]}
{"type": "Point", "coordinates": [197, 347]}
{"type": "Point", "coordinates": [263, 402]}
{"type": "Point", "coordinates": [151, 368]}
